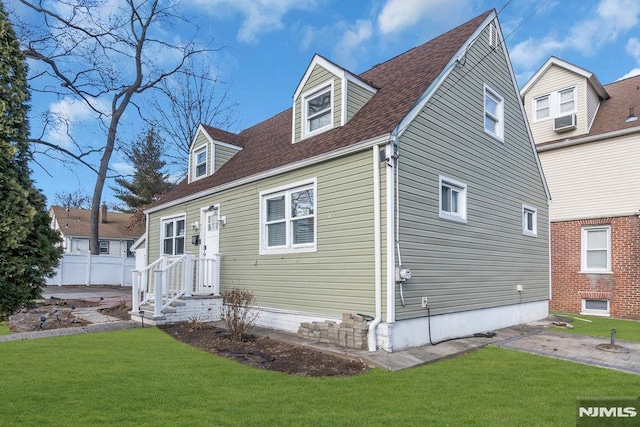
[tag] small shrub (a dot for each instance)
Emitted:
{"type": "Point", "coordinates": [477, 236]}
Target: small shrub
{"type": "Point", "coordinates": [237, 312]}
{"type": "Point", "coordinates": [196, 323]}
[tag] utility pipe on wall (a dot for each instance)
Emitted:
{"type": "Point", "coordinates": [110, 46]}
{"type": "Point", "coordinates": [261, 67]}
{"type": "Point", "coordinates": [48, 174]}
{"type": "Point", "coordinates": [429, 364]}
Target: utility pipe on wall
{"type": "Point", "coordinates": [377, 251]}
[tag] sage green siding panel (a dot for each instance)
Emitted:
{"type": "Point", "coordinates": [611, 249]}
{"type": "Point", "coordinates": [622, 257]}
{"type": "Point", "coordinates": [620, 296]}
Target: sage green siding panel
{"type": "Point", "coordinates": [319, 77]}
{"type": "Point", "coordinates": [475, 265]}
{"type": "Point", "coordinates": [200, 142]}
{"type": "Point", "coordinates": [338, 278]}
{"type": "Point", "coordinates": [222, 155]}
{"type": "Point", "coordinates": [357, 96]}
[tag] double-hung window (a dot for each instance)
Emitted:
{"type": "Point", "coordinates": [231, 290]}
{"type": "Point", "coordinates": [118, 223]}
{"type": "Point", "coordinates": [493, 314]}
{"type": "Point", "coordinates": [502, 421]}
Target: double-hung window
{"type": "Point", "coordinates": [596, 249]}
{"type": "Point", "coordinates": [453, 200]}
{"type": "Point", "coordinates": [200, 163]}
{"type": "Point", "coordinates": [529, 221]}
{"type": "Point", "coordinates": [555, 104]}
{"type": "Point", "coordinates": [104, 246]}
{"type": "Point", "coordinates": [493, 113]}
{"type": "Point", "coordinates": [567, 101]}
{"type": "Point", "coordinates": [542, 110]}
{"type": "Point", "coordinates": [288, 219]}
{"type": "Point", "coordinates": [173, 232]}
{"type": "Point", "coordinates": [318, 112]}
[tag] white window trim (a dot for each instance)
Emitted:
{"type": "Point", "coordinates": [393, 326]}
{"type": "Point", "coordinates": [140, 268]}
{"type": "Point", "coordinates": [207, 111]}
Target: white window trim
{"type": "Point", "coordinates": [592, 312]}
{"type": "Point", "coordinates": [176, 217]}
{"type": "Point", "coordinates": [194, 155]}
{"type": "Point", "coordinates": [534, 108]}
{"type": "Point", "coordinates": [525, 230]}
{"type": "Point", "coordinates": [554, 104]}
{"type": "Point", "coordinates": [304, 124]}
{"type": "Point", "coordinates": [583, 250]}
{"type": "Point", "coordinates": [499, 135]}
{"type": "Point", "coordinates": [461, 216]}
{"type": "Point", "coordinates": [290, 248]}
{"type": "Point", "coordinates": [100, 246]}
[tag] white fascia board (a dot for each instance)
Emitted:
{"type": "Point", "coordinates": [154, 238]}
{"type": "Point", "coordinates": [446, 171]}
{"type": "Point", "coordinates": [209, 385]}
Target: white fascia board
{"type": "Point", "coordinates": [592, 78]}
{"type": "Point", "coordinates": [226, 145]}
{"type": "Point", "coordinates": [590, 138]}
{"type": "Point", "coordinates": [426, 96]}
{"type": "Point", "coordinates": [317, 60]}
{"type": "Point", "coordinates": [378, 140]}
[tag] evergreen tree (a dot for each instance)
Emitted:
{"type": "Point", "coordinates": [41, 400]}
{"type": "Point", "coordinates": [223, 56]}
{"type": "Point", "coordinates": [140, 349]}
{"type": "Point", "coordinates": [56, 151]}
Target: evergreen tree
{"type": "Point", "coordinates": [28, 252]}
{"type": "Point", "coordinates": [149, 179]}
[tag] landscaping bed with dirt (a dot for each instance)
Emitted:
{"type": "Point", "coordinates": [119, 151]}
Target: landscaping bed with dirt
{"type": "Point", "coordinates": [266, 353]}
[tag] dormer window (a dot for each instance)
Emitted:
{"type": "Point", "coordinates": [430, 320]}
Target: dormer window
{"type": "Point", "coordinates": [318, 111]}
{"type": "Point", "coordinates": [200, 167]}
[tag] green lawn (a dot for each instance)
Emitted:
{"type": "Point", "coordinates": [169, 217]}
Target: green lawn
{"type": "Point", "coordinates": [144, 377]}
{"type": "Point", "coordinates": [4, 329]}
{"type": "Point", "coordinates": [626, 330]}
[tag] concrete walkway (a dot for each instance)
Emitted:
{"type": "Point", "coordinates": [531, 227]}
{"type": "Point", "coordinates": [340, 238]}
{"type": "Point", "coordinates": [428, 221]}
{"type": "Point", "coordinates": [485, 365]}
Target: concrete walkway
{"type": "Point", "coordinates": [532, 338]}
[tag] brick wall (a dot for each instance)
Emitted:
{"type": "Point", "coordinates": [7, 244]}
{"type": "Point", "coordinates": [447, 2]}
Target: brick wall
{"type": "Point", "coordinates": [622, 288]}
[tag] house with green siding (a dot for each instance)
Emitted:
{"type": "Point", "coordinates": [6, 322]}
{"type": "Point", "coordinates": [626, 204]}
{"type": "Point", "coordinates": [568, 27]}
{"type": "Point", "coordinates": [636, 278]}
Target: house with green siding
{"type": "Point", "coordinates": [411, 194]}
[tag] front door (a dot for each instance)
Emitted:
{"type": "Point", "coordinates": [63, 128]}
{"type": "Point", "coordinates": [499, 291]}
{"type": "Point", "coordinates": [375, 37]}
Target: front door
{"type": "Point", "coordinates": [207, 267]}
{"type": "Point", "coordinates": [211, 239]}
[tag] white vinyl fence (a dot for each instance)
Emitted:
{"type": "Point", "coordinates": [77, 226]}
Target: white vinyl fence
{"type": "Point", "coordinates": [87, 269]}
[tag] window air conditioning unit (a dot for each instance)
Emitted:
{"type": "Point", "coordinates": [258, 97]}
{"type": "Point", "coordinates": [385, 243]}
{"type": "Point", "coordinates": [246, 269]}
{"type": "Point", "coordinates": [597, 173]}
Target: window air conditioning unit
{"type": "Point", "coordinates": [564, 123]}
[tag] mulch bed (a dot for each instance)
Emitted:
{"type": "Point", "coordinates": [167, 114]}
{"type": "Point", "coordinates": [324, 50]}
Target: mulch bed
{"type": "Point", "coordinates": [265, 353]}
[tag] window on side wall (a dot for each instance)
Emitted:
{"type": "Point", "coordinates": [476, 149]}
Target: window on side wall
{"type": "Point", "coordinates": [173, 232]}
{"type": "Point", "coordinates": [541, 108]}
{"type": "Point", "coordinates": [595, 307]}
{"type": "Point", "coordinates": [493, 113]}
{"type": "Point", "coordinates": [288, 219]}
{"type": "Point", "coordinates": [318, 113]}
{"type": "Point", "coordinates": [529, 221]}
{"type": "Point", "coordinates": [104, 246]}
{"type": "Point", "coordinates": [596, 249]}
{"type": "Point", "coordinates": [453, 199]}
{"type": "Point", "coordinates": [200, 163]}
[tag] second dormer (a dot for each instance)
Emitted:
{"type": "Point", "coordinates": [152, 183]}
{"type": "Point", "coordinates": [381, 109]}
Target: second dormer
{"type": "Point", "coordinates": [210, 149]}
{"type": "Point", "coordinates": [561, 100]}
{"type": "Point", "coordinates": [327, 97]}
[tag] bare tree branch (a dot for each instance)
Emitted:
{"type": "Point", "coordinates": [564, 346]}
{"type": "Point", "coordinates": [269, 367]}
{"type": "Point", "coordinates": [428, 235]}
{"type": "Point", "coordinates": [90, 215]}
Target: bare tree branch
{"type": "Point", "coordinates": [105, 55]}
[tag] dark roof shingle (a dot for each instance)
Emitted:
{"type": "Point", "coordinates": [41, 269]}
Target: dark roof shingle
{"type": "Point", "coordinates": [400, 82]}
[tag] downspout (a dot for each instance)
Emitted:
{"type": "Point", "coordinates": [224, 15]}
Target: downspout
{"type": "Point", "coordinates": [377, 251]}
{"type": "Point", "coordinates": [391, 219]}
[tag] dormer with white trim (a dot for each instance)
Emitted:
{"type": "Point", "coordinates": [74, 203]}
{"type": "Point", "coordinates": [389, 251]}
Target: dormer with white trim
{"type": "Point", "coordinates": [561, 100]}
{"type": "Point", "coordinates": [327, 97]}
{"type": "Point", "coordinates": [210, 149]}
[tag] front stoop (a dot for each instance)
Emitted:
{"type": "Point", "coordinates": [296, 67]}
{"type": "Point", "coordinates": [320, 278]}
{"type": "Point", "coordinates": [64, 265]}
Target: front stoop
{"type": "Point", "coordinates": [203, 308]}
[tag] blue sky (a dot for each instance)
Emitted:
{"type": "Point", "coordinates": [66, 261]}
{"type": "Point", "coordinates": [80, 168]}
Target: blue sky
{"type": "Point", "coordinates": [269, 43]}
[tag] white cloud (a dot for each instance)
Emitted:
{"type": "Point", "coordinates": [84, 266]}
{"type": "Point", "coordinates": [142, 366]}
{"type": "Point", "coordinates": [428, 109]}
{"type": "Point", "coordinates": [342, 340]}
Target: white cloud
{"type": "Point", "coordinates": [633, 48]}
{"type": "Point", "coordinates": [67, 114]}
{"type": "Point", "coordinates": [260, 16]}
{"type": "Point", "coordinates": [123, 168]}
{"type": "Point", "coordinates": [632, 73]}
{"type": "Point", "coordinates": [352, 40]}
{"type": "Point", "coordinates": [399, 15]}
{"type": "Point", "coordinates": [612, 18]}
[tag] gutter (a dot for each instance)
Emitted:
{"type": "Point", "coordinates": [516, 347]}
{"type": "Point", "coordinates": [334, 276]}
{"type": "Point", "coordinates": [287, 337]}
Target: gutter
{"type": "Point", "coordinates": [585, 139]}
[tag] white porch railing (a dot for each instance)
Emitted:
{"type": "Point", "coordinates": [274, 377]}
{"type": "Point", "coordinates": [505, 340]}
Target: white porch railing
{"type": "Point", "coordinates": [170, 278]}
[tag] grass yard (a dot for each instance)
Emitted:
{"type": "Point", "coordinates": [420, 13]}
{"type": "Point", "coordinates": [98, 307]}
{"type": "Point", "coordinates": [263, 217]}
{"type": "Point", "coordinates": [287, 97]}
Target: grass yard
{"type": "Point", "coordinates": [626, 330]}
{"type": "Point", "coordinates": [144, 377]}
{"type": "Point", "coordinates": [4, 329]}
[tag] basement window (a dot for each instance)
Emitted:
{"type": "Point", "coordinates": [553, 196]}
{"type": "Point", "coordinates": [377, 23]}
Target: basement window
{"type": "Point", "coordinates": [595, 307]}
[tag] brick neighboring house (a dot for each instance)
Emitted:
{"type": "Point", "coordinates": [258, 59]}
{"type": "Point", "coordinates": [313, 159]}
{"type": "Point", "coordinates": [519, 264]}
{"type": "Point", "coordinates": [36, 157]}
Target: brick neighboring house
{"type": "Point", "coordinates": [588, 139]}
{"type": "Point", "coordinates": [117, 235]}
